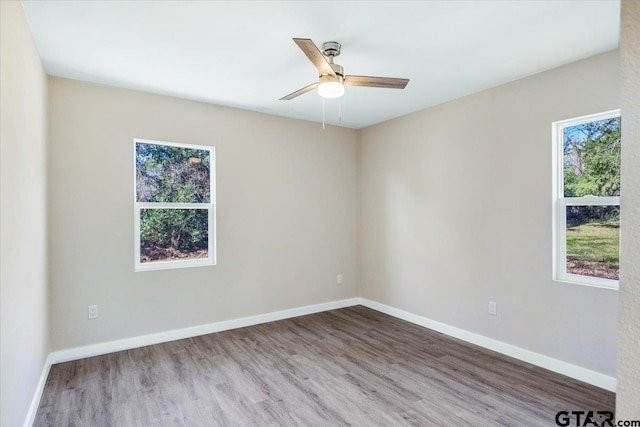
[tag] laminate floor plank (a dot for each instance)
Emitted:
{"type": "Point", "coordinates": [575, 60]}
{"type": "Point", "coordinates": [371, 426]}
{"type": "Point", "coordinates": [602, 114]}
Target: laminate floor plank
{"type": "Point", "coordinates": [352, 366]}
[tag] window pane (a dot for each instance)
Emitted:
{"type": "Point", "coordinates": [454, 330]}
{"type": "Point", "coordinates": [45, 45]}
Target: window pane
{"type": "Point", "coordinates": [173, 234]}
{"type": "Point", "coordinates": [172, 174]}
{"type": "Point", "coordinates": [593, 241]}
{"type": "Point", "coordinates": [592, 159]}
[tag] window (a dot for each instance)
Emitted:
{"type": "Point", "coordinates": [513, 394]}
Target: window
{"type": "Point", "coordinates": [174, 205]}
{"type": "Point", "coordinates": [587, 200]}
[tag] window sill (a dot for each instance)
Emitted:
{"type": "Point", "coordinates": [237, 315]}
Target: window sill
{"type": "Point", "coordinates": [611, 285]}
{"type": "Point", "coordinates": [169, 265]}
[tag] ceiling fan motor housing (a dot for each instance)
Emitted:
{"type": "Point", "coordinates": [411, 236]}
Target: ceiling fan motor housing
{"type": "Point", "coordinates": [331, 49]}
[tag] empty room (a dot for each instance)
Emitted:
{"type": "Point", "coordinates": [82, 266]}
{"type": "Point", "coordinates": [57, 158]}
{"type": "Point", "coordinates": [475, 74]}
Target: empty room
{"type": "Point", "coordinates": [320, 213]}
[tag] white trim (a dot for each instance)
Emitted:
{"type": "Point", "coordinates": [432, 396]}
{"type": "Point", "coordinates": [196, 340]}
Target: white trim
{"type": "Point", "coordinates": [588, 118]}
{"type": "Point", "coordinates": [559, 204]}
{"type": "Point", "coordinates": [211, 258]}
{"type": "Point", "coordinates": [589, 201]}
{"type": "Point", "coordinates": [37, 395]}
{"type": "Point", "coordinates": [171, 144]}
{"type": "Point", "coordinates": [577, 372]}
{"type": "Point", "coordinates": [158, 205]}
{"type": "Point", "coordinates": [168, 265]}
{"type": "Point", "coordinates": [194, 331]}
{"type": "Point", "coordinates": [583, 374]}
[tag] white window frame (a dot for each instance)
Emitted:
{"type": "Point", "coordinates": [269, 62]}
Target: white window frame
{"type": "Point", "coordinates": [560, 204]}
{"type": "Point", "coordinates": [211, 207]}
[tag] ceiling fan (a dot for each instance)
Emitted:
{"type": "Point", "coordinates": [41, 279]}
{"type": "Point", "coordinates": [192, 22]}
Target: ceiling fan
{"type": "Point", "coordinates": [332, 80]}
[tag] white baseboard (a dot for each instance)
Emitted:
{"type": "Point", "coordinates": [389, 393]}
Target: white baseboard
{"type": "Point", "coordinates": [160, 337]}
{"type": "Point", "coordinates": [555, 365]}
{"type": "Point", "coordinates": [35, 402]}
{"type": "Point", "coordinates": [194, 331]}
{"type": "Point", "coordinates": [583, 374]}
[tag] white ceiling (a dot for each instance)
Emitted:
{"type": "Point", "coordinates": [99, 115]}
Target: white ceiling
{"type": "Point", "coordinates": [240, 54]}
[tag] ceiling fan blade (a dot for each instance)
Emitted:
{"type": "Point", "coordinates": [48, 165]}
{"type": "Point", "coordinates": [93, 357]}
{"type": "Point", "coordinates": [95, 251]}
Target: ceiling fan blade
{"type": "Point", "coordinates": [368, 81]}
{"type": "Point", "coordinates": [299, 92]}
{"type": "Point", "coordinates": [315, 56]}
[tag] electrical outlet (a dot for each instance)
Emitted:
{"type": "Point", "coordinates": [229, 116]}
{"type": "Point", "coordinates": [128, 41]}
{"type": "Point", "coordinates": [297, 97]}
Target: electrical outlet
{"type": "Point", "coordinates": [493, 308]}
{"type": "Point", "coordinates": [339, 279]}
{"type": "Point", "coordinates": [92, 311]}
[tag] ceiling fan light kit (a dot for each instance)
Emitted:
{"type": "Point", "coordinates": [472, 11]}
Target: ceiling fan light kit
{"type": "Point", "coordinates": [330, 87]}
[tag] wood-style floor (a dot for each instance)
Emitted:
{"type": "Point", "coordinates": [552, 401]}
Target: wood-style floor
{"type": "Point", "coordinates": [352, 366]}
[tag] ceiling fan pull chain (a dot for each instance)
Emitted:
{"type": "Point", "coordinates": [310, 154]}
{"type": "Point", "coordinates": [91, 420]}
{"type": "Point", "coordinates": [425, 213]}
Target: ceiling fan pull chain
{"type": "Point", "coordinates": [322, 113]}
{"type": "Point", "coordinates": [339, 111]}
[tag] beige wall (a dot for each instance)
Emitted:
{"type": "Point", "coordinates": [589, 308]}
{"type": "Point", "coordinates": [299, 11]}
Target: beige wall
{"type": "Point", "coordinates": [286, 214]}
{"type": "Point", "coordinates": [455, 208]}
{"type": "Point", "coordinates": [628, 397]}
{"type": "Point", "coordinates": [24, 318]}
